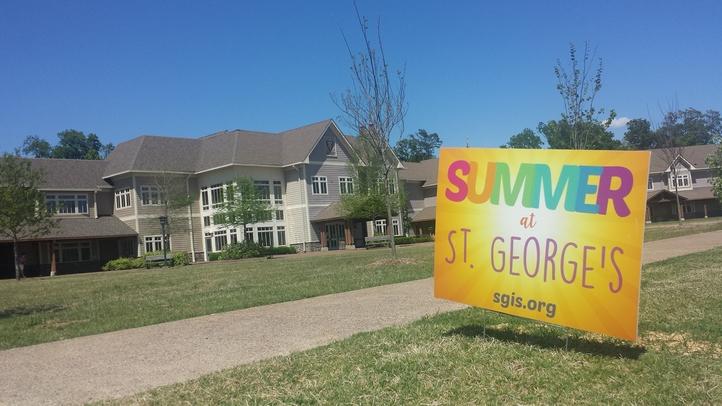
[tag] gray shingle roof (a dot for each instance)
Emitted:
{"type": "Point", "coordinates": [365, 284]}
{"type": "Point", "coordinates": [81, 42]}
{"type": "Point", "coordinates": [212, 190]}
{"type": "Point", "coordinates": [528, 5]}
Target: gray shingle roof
{"type": "Point", "coordinates": [78, 174]}
{"type": "Point", "coordinates": [424, 171]}
{"type": "Point", "coordinates": [88, 227]}
{"type": "Point", "coordinates": [426, 214]}
{"type": "Point", "coordinates": [695, 154]}
{"type": "Point", "coordinates": [239, 147]}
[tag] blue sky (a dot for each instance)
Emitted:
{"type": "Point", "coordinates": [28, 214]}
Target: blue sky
{"type": "Point", "coordinates": [476, 70]}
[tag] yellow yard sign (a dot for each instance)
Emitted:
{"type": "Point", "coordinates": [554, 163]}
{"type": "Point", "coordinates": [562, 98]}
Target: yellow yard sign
{"type": "Point", "coordinates": [550, 235]}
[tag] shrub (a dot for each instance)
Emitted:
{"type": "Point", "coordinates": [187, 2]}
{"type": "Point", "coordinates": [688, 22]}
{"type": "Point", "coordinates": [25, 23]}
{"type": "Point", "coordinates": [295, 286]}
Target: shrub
{"type": "Point", "coordinates": [124, 263]}
{"type": "Point", "coordinates": [245, 249]}
{"type": "Point", "coordinates": [181, 259]}
{"type": "Point", "coordinates": [278, 250]}
{"type": "Point", "coordinates": [248, 249]}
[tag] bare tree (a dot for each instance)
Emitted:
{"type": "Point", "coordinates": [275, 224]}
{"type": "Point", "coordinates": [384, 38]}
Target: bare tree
{"type": "Point", "coordinates": [578, 84]}
{"type": "Point", "coordinates": [175, 201]}
{"type": "Point", "coordinates": [374, 107]}
{"type": "Point", "coordinates": [672, 148]}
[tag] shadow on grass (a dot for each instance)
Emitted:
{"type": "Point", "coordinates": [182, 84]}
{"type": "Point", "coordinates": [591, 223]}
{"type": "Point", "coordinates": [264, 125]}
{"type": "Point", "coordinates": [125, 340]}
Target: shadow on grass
{"type": "Point", "coordinates": [549, 341]}
{"type": "Point", "coordinates": [28, 310]}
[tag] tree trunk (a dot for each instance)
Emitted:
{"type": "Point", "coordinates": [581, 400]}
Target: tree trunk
{"type": "Point", "coordinates": [15, 257]}
{"type": "Point", "coordinates": [676, 195]}
{"type": "Point", "coordinates": [389, 220]}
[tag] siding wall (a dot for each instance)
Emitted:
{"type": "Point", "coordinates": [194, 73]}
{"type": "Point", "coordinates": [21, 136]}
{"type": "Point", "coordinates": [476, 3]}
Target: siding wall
{"type": "Point", "coordinates": [295, 207]}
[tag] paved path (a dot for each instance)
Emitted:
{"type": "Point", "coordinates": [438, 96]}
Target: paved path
{"type": "Point", "coordinates": [124, 362]}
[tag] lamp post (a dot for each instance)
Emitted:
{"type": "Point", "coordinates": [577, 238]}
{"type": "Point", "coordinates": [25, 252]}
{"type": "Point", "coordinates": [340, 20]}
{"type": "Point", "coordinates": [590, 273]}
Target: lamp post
{"type": "Point", "coordinates": [163, 223]}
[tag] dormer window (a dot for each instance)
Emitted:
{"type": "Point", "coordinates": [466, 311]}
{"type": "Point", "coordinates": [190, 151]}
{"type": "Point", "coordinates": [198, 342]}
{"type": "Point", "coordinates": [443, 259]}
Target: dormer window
{"type": "Point", "coordinates": [330, 147]}
{"type": "Point", "coordinates": [683, 180]}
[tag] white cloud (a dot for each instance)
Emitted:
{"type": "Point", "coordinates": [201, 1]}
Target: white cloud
{"type": "Point", "coordinates": [620, 122]}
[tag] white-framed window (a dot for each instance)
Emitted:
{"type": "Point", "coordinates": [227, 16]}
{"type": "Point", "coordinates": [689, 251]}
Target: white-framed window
{"type": "Point", "coordinates": [281, 233]}
{"type": "Point", "coordinates": [319, 185]}
{"type": "Point", "coordinates": [122, 198]}
{"type": "Point", "coordinates": [206, 221]}
{"type": "Point", "coordinates": [67, 203]}
{"type": "Point", "coordinates": [380, 227]}
{"type": "Point", "coordinates": [217, 195]}
{"type": "Point", "coordinates": [265, 236]}
{"type": "Point", "coordinates": [234, 235]}
{"type": "Point", "coordinates": [279, 214]}
{"type": "Point", "coordinates": [150, 195]}
{"type": "Point", "coordinates": [249, 233]}
{"type": "Point", "coordinates": [331, 147]}
{"type": "Point", "coordinates": [221, 239]}
{"type": "Point", "coordinates": [683, 181]}
{"type": "Point", "coordinates": [209, 242]}
{"type": "Point", "coordinates": [392, 186]}
{"type": "Point", "coordinates": [650, 184]}
{"type": "Point", "coordinates": [397, 226]}
{"type": "Point", "coordinates": [154, 243]}
{"type": "Point", "coordinates": [204, 198]}
{"type": "Point", "coordinates": [277, 192]}
{"type": "Point", "coordinates": [345, 184]}
{"type": "Point", "coordinates": [75, 251]}
{"type": "Point", "coordinates": [264, 190]}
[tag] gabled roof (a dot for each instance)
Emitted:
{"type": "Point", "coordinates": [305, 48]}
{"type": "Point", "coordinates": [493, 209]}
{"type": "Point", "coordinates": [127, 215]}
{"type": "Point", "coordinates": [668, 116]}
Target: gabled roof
{"type": "Point", "coordinates": [71, 174]}
{"type": "Point", "coordinates": [695, 155]}
{"type": "Point", "coordinates": [237, 147]}
{"type": "Point", "coordinates": [424, 171]}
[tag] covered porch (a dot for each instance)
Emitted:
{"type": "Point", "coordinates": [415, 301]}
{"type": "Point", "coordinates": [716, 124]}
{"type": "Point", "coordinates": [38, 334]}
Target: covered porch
{"type": "Point", "coordinates": [76, 245]}
{"type": "Point", "coordinates": [337, 233]}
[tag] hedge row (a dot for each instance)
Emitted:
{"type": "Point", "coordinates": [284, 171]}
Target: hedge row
{"type": "Point", "coordinates": [248, 249]}
{"type": "Point", "coordinates": [412, 240]}
{"type": "Point", "coordinates": [174, 259]}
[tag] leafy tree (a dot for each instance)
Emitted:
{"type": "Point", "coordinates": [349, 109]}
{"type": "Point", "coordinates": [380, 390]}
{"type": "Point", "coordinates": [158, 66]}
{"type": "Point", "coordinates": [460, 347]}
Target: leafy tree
{"type": "Point", "coordinates": [242, 206]}
{"type": "Point", "coordinates": [374, 107]}
{"type": "Point", "coordinates": [578, 84]}
{"type": "Point", "coordinates": [691, 127]}
{"type": "Point", "coordinates": [37, 147]}
{"type": "Point", "coordinates": [22, 206]}
{"type": "Point", "coordinates": [639, 135]}
{"type": "Point", "coordinates": [72, 144]}
{"type": "Point", "coordinates": [715, 162]}
{"type": "Point", "coordinates": [418, 146]}
{"type": "Point", "coordinates": [558, 135]}
{"type": "Point", "coordinates": [526, 139]}
{"type": "Point", "coordinates": [369, 200]}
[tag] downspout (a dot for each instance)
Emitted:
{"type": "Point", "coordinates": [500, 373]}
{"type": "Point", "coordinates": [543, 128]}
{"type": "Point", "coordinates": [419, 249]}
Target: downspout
{"type": "Point", "coordinates": [190, 219]}
{"type": "Point", "coordinates": [95, 203]}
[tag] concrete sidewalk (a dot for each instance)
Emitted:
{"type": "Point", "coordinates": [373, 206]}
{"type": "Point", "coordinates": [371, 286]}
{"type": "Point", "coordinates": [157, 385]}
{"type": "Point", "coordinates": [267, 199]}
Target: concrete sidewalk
{"type": "Point", "coordinates": [124, 362]}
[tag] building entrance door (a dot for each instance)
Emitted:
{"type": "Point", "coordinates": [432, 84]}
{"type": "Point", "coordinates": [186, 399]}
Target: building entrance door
{"type": "Point", "coordinates": [335, 236]}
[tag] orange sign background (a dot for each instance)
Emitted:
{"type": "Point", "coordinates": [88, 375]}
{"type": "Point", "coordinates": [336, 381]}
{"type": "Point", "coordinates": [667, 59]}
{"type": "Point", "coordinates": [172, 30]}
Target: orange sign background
{"type": "Point", "coordinates": [557, 264]}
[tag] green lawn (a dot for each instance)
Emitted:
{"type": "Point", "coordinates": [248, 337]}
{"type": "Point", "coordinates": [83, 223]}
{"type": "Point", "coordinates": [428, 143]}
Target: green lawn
{"type": "Point", "coordinates": [670, 229]}
{"type": "Point", "coordinates": [39, 310]}
{"type": "Point", "coordinates": [447, 360]}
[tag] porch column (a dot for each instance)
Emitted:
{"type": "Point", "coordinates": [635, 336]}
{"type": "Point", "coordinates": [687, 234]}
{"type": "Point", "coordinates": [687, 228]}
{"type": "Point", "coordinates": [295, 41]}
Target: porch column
{"type": "Point", "coordinates": [348, 235]}
{"type": "Point", "coordinates": [705, 210]}
{"type": "Point", "coordinates": [648, 215]}
{"type": "Point", "coordinates": [53, 265]}
{"type": "Point", "coordinates": [324, 245]}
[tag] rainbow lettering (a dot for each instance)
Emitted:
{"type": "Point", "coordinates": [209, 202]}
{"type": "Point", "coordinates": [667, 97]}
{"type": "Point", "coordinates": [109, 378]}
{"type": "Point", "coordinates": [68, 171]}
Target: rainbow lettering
{"type": "Point", "coordinates": [535, 179]}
